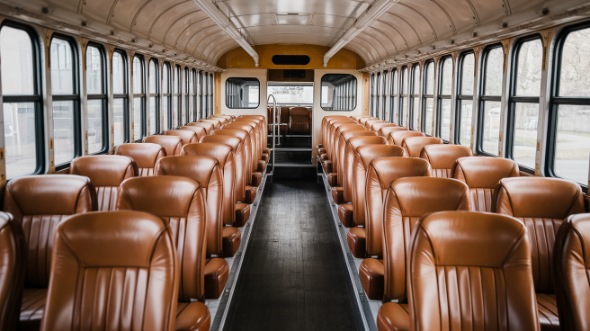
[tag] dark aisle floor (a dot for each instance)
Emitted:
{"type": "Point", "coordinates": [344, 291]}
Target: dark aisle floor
{"type": "Point", "coordinates": [293, 276]}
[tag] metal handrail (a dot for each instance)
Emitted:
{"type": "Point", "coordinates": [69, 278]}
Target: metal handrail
{"type": "Point", "coordinates": [275, 127]}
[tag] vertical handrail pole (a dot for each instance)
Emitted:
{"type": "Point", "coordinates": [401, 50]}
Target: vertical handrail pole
{"type": "Point", "coordinates": [274, 133]}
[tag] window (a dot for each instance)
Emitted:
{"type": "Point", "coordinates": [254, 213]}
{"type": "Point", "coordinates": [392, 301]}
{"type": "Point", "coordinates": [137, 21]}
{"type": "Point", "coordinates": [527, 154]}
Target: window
{"type": "Point", "coordinates": [97, 126]}
{"type": "Point", "coordinates": [383, 92]}
{"type": "Point", "coordinates": [293, 94]}
{"type": "Point", "coordinates": [465, 88]}
{"type": "Point", "coordinates": [445, 86]}
{"type": "Point", "coordinates": [428, 99]}
{"type": "Point", "coordinates": [241, 93]}
{"type": "Point", "coordinates": [21, 92]}
{"type": "Point", "coordinates": [186, 87]}
{"type": "Point", "coordinates": [120, 99]}
{"type": "Point", "coordinates": [403, 104]}
{"type": "Point", "coordinates": [200, 91]}
{"type": "Point", "coordinates": [525, 89]}
{"type": "Point", "coordinates": [154, 97]}
{"type": "Point", "coordinates": [372, 92]}
{"type": "Point", "coordinates": [415, 98]}
{"type": "Point", "coordinates": [166, 97]}
{"type": "Point", "coordinates": [490, 99]}
{"type": "Point", "coordinates": [394, 97]}
{"type": "Point", "coordinates": [176, 98]}
{"type": "Point", "coordinates": [192, 95]}
{"type": "Point", "coordinates": [569, 137]}
{"type": "Point", "coordinates": [210, 110]}
{"type": "Point", "coordinates": [139, 119]}
{"type": "Point", "coordinates": [338, 92]}
{"type": "Point", "coordinates": [66, 100]}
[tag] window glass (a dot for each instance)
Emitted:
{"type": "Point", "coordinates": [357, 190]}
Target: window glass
{"type": "Point", "coordinates": [119, 99]}
{"type": "Point", "coordinates": [403, 97]}
{"type": "Point", "coordinates": [334, 94]}
{"type": "Point", "coordinates": [95, 127]}
{"type": "Point", "coordinates": [96, 104]}
{"type": "Point", "coordinates": [465, 97]}
{"type": "Point", "coordinates": [490, 100]}
{"type": "Point", "coordinates": [493, 71]}
{"type": "Point", "coordinates": [94, 70]}
{"type": "Point", "coordinates": [429, 99]}
{"type": "Point", "coordinates": [138, 98]}
{"type": "Point", "coordinates": [240, 93]}
{"type": "Point", "coordinates": [394, 97]}
{"type": "Point", "coordinates": [445, 88]}
{"type": "Point", "coordinates": [62, 70]}
{"type": "Point", "coordinates": [166, 96]}
{"type": "Point", "coordinates": [574, 78]}
{"type": "Point", "coordinates": [20, 79]}
{"type": "Point", "coordinates": [415, 94]}
{"type": "Point", "coordinates": [153, 97]}
{"type": "Point", "coordinates": [118, 73]}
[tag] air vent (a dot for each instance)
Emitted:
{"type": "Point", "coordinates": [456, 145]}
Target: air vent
{"type": "Point", "coordinates": [293, 60]}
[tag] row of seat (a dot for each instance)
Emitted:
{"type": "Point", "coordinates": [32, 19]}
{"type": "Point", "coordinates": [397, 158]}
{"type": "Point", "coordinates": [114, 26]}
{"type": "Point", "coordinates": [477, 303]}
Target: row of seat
{"type": "Point", "coordinates": [199, 190]}
{"type": "Point", "coordinates": [381, 197]}
{"type": "Point", "coordinates": [292, 120]}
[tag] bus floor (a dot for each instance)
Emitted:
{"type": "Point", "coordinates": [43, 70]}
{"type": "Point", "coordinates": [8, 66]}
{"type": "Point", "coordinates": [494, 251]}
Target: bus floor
{"type": "Point", "coordinates": [293, 276]}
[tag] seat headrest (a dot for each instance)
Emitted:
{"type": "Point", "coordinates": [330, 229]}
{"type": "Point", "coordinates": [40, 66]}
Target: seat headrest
{"type": "Point", "coordinates": [233, 142]}
{"type": "Point", "coordinates": [299, 111]}
{"type": "Point", "coordinates": [577, 226]}
{"type": "Point", "coordinates": [388, 169]}
{"type": "Point", "coordinates": [197, 167]}
{"type": "Point", "coordinates": [464, 238]}
{"type": "Point", "coordinates": [208, 126]}
{"type": "Point", "coordinates": [379, 125]}
{"type": "Point", "coordinates": [443, 156]}
{"type": "Point", "coordinates": [369, 152]}
{"type": "Point", "coordinates": [187, 136]}
{"type": "Point", "coordinates": [218, 151]}
{"type": "Point", "coordinates": [49, 195]}
{"type": "Point", "coordinates": [232, 132]}
{"type": "Point", "coordinates": [417, 196]}
{"type": "Point", "coordinates": [345, 126]}
{"type": "Point", "coordinates": [165, 196]}
{"type": "Point", "coordinates": [240, 126]}
{"type": "Point", "coordinates": [484, 172]}
{"type": "Point", "coordinates": [414, 145]}
{"type": "Point", "coordinates": [398, 137]}
{"type": "Point", "coordinates": [126, 238]}
{"type": "Point", "coordinates": [145, 155]}
{"type": "Point", "coordinates": [356, 142]}
{"type": "Point", "coordinates": [199, 131]}
{"type": "Point", "coordinates": [540, 197]}
{"type": "Point", "coordinates": [357, 133]}
{"type": "Point", "coordinates": [386, 131]}
{"type": "Point", "coordinates": [171, 144]}
{"type": "Point", "coordinates": [104, 170]}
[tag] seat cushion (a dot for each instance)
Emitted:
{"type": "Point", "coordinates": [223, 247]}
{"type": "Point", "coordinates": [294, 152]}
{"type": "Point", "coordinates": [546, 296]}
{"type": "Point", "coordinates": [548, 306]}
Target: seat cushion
{"type": "Point", "coordinates": [242, 214]}
{"type": "Point", "coordinates": [371, 274]}
{"type": "Point", "coordinates": [261, 166]}
{"type": "Point", "coordinates": [327, 165]}
{"type": "Point", "coordinates": [332, 179]}
{"type": "Point", "coordinates": [338, 195]}
{"type": "Point", "coordinates": [32, 308]}
{"type": "Point", "coordinates": [548, 316]}
{"type": "Point", "coordinates": [251, 193]}
{"type": "Point", "coordinates": [231, 240]}
{"type": "Point", "coordinates": [192, 316]}
{"type": "Point", "coordinates": [357, 242]}
{"type": "Point", "coordinates": [345, 214]}
{"type": "Point", "coordinates": [216, 274]}
{"type": "Point", "coordinates": [393, 316]}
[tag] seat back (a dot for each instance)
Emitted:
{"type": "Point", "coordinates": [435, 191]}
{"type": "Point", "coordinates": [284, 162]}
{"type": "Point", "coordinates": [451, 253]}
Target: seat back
{"type": "Point", "coordinates": [246, 134]}
{"type": "Point", "coordinates": [379, 125]}
{"type": "Point", "coordinates": [186, 136]}
{"type": "Point", "coordinates": [234, 143]}
{"type": "Point", "coordinates": [482, 174]}
{"type": "Point", "coordinates": [471, 271]}
{"type": "Point", "coordinates": [127, 281]}
{"type": "Point", "coordinates": [398, 137]}
{"type": "Point", "coordinates": [413, 145]}
{"type": "Point", "coordinates": [406, 201]}
{"type": "Point", "coordinates": [106, 172]}
{"type": "Point", "coordinates": [180, 202]}
{"type": "Point", "coordinates": [145, 156]}
{"type": "Point", "coordinates": [442, 157]}
{"type": "Point", "coordinates": [215, 121]}
{"type": "Point", "coordinates": [571, 263]}
{"type": "Point", "coordinates": [542, 204]}
{"type": "Point", "coordinates": [388, 130]}
{"type": "Point", "coordinates": [12, 270]}
{"type": "Point", "coordinates": [171, 144]}
{"type": "Point", "coordinates": [208, 173]}
{"type": "Point", "coordinates": [335, 132]}
{"type": "Point", "coordinates": [299, 120]}
{"type": "Point", "coordinates": [347, 156]}
{"type": "Point", "coordinates": [39, 204]}
{"type": "Point", "coordinates": [224, 155]}
{"type": "Point", "coordinates": [199, 131]}
{"type": "Point", "coordinates": [208, 126]}
{"type": "Point", "coordinates": [368, 124]}
{"type": "Point", "coordinates": [381, 172]}
{"type": "Point", "coordinates": [255, 137]}
{"type": "Point", "coordinates": [240, 159]}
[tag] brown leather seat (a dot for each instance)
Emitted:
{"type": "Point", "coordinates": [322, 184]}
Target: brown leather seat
{"type": "Point", "coordinates": [413, 145]}
{"type": "Point", "coordinates": [379, 125]}
{"type": "Point", "coordinates": [263, 129]}
{"type": "Point", "coordinates": [442, 157]}
{"type": "Point", "coordinates": [542, 204]}
{"type": "Point", "coordinates": [224, 156]}
{"type": "Point", "coordinates": [398, 137]}
{"type": "Point", "coordinates": [171, 144]}
{"type": "Point", "coordinates": [215, 121]}
{"type": "Point", "coordinates": [106, 172]}
{"type": "Point", "coordinates": [325, 153]}
{"type": "Point", "coordinates": [482, 175]}
{"type": "Point", "coordinates": [470, 271]}
{"type": "Point", "coordinates": [299, 120]}
{"type": "Point", "coordinates": [208, 173]}
{"type": "Point", "coordinates": [381, 172]}
{"type": "Point", "coordinates": [199, 131]}
{"type": "Point", "coordinates": [364, 155]}
{"type": "Point", "coordinates": [389, 130]}
{"type": "Point", "coordinates": [145, 156]}
{"type": "Point", "coordinates": [407, 200]}
{"type": "Point", "coordinates": [335, 132]}
{"type": "Point", "coordinates": [39, 204]}
{"type": "Point", "coordinates": [252, 148]}
{"type": "Point", "coordinates": [368, 124]}
{"type": "Point", "coordinates": [258, 162]}
{"type": "Point", "coordinates": [180, 202]}
{"type": "Point", "coordinates": [187, 136]}
{"type": "Point", "coordinates": [208, 126]}
{"type": "Point", "coordinates": [12, 271]}
{"type": "Point", "coordinates": [125, 281]}
{"type": "Point", "coordinates": [242, 209]}
{"type": "Point", "coordinates": [570, 270]}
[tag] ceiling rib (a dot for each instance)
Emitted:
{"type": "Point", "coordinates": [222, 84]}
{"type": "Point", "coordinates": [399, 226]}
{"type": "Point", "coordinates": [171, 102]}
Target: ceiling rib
{"type": "Point", "coordinates": [226, 25]}
{"type": "Point", "coordinates": [375, 10]}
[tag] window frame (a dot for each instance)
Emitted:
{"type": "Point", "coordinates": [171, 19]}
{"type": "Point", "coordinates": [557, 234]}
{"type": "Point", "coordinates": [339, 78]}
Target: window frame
{"type": "Point", "coordinates": [103, 97]}
{"type": "Point", "coordinates": [156, 95]}
{"type": "Point", "coordinates": [440, 97]}
{"type": "Point", "coordinates": [463, 97]}
{"type": "Point", "coordinates": [426, 96]}
{"type": "Point", "coordinates": [483, 98]}
{"type": "Point", "coordinates": [124, 95]}
{"type": "Point", "coordinates": [414, 95]}
{"type": "Point", "coordinates": [393, 94]}
{"type": "Point", "coordinates": [403, 94]}
{"type": "Point", "coordinates": [142, 99]}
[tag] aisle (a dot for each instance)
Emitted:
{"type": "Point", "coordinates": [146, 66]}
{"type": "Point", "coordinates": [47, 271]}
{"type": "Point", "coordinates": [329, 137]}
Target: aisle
{"type": "Point", "coordinates": [293, 276]}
